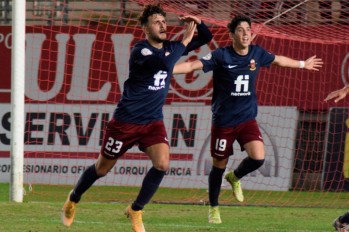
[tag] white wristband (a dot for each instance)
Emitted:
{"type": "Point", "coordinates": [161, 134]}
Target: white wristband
{"type": "Point", "coordinates": [301, 64]}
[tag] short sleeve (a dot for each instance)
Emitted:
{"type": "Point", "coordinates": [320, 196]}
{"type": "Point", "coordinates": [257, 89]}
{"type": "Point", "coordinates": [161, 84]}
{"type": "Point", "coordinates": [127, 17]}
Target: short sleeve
{"type": "Point", "coordinates": [140, 54]}
{"type": "Point", "coordinates": [211, 60]}
{"type": "Point", "coordinates": [266, 57]}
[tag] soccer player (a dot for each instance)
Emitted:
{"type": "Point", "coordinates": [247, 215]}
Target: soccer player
{"type": "Point", "coordinates": [138, 118]}
{"type": "Point", "coordinates": [342, 222]}
{"type": "Point", "coordinates": [234, 105]}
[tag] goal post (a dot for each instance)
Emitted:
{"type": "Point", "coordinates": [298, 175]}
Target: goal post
{"type": "Point", "coordinates": [17, 100]}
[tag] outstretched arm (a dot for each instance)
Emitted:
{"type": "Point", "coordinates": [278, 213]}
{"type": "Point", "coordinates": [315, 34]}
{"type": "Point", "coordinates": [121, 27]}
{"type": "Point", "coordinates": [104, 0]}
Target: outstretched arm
{"type": "Point", "coordinates": [338, 94]}
{"type": "Point", "coordinates": [187, 67]}
{"type": "Point", "coordinates": [312, 63]}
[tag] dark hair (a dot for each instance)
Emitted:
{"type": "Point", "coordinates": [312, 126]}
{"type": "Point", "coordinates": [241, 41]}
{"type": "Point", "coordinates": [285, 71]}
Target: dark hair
{"type": "Point", "coordinates": [236, 21]}
{"type": "Point", "coordinates": [150, 10]}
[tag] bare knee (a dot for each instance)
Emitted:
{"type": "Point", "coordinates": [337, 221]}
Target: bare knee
{"type": "Point", "coordinates": [220, 163]}
{"type": "Point", "coordinates": [162, 163]}
{"type": "Point", "coordinates": [164, 166]}
{"type": "Point", "coordinates": [160, 156]}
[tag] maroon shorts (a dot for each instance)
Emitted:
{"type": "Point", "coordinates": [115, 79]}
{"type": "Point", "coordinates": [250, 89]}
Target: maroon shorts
{"type": "Point", "coordinates": [121, 136]}
{"type": "Point", "coordinates": [222, 139]}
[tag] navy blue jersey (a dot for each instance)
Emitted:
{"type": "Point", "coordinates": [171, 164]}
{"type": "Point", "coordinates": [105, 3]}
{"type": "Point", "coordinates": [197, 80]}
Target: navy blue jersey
{"type": "Point", "coordinates": [150, 71]}
{"type": "Point", "coordinates": [234, 99]}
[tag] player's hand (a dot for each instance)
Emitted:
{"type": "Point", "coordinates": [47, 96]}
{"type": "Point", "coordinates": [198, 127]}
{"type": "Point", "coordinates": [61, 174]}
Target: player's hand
{"type": "Point", "coordinates": [338, 94]}
{"type": "Point", "coordinates": [313, 63]}
{"type": "Point", "coordinates": [190, 18]}
{"type": "Point", "coordinates": [189, 33]}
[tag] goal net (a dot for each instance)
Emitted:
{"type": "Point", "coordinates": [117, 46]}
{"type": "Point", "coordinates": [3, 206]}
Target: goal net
{"type": "Point", "coordinates": [77, 61]}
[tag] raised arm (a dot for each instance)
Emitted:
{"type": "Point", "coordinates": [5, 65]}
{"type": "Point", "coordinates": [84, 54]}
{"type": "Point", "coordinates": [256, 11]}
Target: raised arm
{"type": "Point", "coordinates": [189, 33]}
{"type": "Point", "coordinates": [338, 94]}
{"type": "Point", "coordinates": [174, 56]}
{"type": "Point", "coordinates": [204, 34]}
{"type": "Point", "coordinates": [312, 63]}
{"type": "Point", "coordinates": [187, 67]}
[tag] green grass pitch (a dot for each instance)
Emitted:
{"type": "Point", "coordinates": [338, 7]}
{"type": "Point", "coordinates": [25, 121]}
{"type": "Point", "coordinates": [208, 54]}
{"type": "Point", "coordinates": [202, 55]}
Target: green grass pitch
{"type": "Point", "coordinates": [41, 209]}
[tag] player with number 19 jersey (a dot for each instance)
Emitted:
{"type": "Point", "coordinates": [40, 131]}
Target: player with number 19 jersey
{"type": "Point", "coordinates": [234, 98]}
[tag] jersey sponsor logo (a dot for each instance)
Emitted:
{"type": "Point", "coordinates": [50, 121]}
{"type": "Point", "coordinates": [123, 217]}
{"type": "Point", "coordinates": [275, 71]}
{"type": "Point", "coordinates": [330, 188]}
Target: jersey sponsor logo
{"type": "Point", "coordinates": [232, 66]}
{"type": "Point", "coordinates": [146, 52]}
{"type": "Point", "coordinates": [159, 81]}
{"type": "Point", "coordinates": [241, 86]}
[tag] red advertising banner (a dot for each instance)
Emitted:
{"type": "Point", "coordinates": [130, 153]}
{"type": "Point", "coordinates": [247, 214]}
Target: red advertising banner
{"type": "Point", "coordinates": [84, 65]}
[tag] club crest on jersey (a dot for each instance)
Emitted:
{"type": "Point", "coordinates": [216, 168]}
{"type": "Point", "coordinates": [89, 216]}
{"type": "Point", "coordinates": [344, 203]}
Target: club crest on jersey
{"type": "Point", "coordinates": [146, 52]}
{"type": "Point", "coordinates": [207, 57]}
{"type": "Point", "coordinates": [252, 64]}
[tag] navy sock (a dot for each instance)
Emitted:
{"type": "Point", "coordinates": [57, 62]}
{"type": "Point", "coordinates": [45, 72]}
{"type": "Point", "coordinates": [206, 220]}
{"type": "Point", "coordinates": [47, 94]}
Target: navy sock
{"type": "Point", "coordinates": [85, 182]}
{"type": "Point", "coordinates": [214, 185]}
{"type": "Point", "coordinates": [150, 184]}
{"type": "Point", "coordinates": [247, 166]}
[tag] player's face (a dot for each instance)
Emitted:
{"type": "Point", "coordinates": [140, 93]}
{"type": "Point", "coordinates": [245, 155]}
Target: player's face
{"type": "Point", "coordinates": [156, 28]}
{"type": "Point", "coordinates": [242, 35]}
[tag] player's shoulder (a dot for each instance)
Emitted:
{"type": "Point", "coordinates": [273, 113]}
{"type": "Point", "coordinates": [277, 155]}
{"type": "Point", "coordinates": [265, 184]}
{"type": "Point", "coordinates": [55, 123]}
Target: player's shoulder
{"type": "Point", "coordinates": [142, 48]}
{"type": "Point", "coordinates": [167, 44]}
{"type": "Point", "coordinates": [256, 47]}
{"type": "Point", "coordinates": [215, 54]}
{"type": "Point", "coordinates": [220, 50]}
{"type": "Point", "coordinates": [260, 53]}
{"type": "Point", "coordinates": [224, 49]}
{"type": "Point", "coordinates": [140, 45]}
